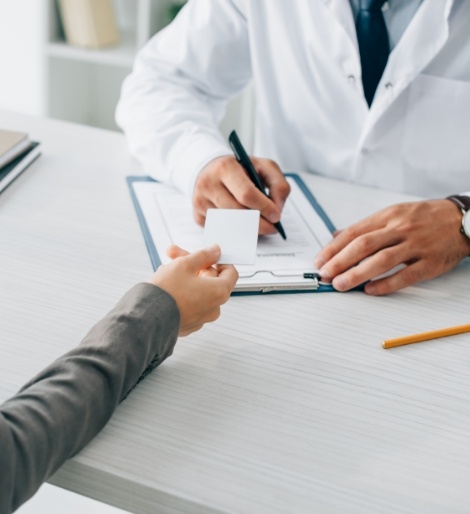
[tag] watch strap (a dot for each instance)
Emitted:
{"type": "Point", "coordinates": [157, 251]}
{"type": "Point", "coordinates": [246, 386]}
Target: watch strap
{"type": "Point", "coordinates": [461, 201]}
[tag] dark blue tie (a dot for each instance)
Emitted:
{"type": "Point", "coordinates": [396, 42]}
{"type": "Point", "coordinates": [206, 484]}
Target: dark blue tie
{"type": "Point", "coordinates": [374, 48]}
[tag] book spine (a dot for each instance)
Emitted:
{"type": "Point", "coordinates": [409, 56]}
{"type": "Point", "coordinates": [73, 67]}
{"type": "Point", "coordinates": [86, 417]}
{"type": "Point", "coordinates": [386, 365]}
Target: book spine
{"type": "Point", "coordinates": [89, 23]}
{"type": "Point", "coordinates": [103, 23]}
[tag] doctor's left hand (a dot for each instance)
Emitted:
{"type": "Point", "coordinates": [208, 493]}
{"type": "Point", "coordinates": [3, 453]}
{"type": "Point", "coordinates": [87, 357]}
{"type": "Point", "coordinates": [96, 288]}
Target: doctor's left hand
{"type": "Point", "coordinates": [424, 237]}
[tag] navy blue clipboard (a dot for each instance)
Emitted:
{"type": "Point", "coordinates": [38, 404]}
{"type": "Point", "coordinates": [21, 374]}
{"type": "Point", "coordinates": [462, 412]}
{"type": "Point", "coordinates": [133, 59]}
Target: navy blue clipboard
{"type": "Point", "coordinates": [155, 258]}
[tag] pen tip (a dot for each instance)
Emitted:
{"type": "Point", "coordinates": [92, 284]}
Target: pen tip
{"type": "Point", "coordinates": [280, 229]}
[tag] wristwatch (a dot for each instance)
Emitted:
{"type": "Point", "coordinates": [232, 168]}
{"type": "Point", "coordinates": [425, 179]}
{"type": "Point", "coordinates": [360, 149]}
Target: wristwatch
{"type": "Point", "coordinates": [463, 203]}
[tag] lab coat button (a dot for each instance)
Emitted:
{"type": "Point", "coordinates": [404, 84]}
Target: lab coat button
{"type": "Point", "coordinates": [351, 79]}
{"type": "Point", "coordinates": [389, 86]}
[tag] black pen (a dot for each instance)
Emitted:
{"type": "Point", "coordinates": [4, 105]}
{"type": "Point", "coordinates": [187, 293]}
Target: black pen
{"type": "Point", "coordinates": [247, 165]}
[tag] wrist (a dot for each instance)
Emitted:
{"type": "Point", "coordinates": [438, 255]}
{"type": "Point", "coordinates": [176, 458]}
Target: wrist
{"type": "Point", "coordinates": [462, 202]}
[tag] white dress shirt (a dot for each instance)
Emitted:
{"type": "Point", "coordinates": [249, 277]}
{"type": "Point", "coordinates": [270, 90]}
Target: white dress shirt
{"type": "Point", "coordinates": [311, 114]}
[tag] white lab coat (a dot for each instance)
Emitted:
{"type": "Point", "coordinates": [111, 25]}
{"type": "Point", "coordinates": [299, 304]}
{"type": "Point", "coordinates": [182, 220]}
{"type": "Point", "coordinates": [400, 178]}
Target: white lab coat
{"type": "Point", "coordinates": [302, 57]}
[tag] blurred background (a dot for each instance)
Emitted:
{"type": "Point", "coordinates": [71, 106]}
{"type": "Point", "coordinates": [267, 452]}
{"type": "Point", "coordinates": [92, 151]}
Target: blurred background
{"type": "Point", "coordinates": [67, 58]}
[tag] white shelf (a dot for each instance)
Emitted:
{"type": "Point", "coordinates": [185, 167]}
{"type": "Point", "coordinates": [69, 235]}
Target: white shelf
{"type": "Point", "coordinates": [120, 55]}
{"type": "Point", "coordinates": [83, 85]}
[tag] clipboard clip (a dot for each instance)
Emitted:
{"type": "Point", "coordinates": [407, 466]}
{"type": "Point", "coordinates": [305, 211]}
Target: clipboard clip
{"type": "Point", "coordinates": [279, 274]}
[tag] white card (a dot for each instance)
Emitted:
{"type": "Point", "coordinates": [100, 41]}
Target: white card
{"type": "Point", "coordinates": [235, 231]}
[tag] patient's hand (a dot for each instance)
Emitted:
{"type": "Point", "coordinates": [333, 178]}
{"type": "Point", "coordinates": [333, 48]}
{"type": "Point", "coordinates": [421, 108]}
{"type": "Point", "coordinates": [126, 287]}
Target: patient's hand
{"type": "Point", "coordinates": [198, 287]}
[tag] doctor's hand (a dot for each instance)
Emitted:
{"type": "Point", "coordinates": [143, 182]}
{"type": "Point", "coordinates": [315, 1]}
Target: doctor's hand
{"type": "Point", "coordinates": [224, 184]}
{"type": "Point", "coordinates": [198, 287]}
{"type": "Point", "coordinates": [423, 237]}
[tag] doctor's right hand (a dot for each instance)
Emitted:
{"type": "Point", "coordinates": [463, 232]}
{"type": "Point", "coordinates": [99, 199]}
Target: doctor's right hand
{"type": "Point", "coordinates": [198, 286]}
{"type": "Point", "coordinates": [224, 184]}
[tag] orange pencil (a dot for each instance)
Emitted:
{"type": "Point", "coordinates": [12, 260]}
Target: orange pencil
{"type": "Point", "coordinates": [425, 336]}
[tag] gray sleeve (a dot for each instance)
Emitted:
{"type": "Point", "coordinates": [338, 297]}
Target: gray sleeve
{"type": "Point", "coordinates": [58, 412]}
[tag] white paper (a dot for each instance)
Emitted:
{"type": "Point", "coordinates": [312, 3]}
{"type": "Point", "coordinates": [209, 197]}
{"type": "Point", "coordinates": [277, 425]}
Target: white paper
{"type": "Point", "coordinates": [235, 231]}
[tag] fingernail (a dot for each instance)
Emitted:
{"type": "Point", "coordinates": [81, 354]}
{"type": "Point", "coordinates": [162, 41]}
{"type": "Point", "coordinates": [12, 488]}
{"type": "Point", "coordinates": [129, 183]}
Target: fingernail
{"type": "Point", "coordinates": [325, 275]}
{"type": "Point", "coordinates": [339, 284]}
{"type": "Point", "coordinates": [318, 262]}
{"type": "Point", "coordinates": [215, 248]}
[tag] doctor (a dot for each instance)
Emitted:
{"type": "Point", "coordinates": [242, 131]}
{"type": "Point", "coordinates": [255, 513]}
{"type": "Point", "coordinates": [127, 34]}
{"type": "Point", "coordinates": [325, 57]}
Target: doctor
{"type": "Point", "coordinates": [372, 92]}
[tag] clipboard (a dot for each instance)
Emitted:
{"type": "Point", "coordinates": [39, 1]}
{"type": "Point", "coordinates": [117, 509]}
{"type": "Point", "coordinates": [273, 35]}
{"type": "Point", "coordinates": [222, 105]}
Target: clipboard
{"type": "Point", "coordinates": [165, 217]}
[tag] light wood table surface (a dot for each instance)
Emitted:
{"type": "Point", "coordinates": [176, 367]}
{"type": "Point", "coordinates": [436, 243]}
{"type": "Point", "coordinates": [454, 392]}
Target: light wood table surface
{"type": "Point", "coordinates": [287, 404]}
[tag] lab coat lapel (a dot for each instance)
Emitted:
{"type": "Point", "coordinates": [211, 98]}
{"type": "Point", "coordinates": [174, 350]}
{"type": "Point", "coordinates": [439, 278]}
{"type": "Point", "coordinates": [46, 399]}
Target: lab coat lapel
{"type": "Point", "coordinates": [342, 12]}
{"type": "Point", "coordinates": [423, 39]}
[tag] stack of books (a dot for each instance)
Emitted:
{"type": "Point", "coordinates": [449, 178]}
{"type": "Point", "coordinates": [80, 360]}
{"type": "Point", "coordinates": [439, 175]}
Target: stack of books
{"type": "Point", "coordinates": [17, 152]}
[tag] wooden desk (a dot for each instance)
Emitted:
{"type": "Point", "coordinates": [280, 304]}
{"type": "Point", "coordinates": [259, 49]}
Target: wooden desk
{"type": "Point", "coordinates": [287, 404]}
